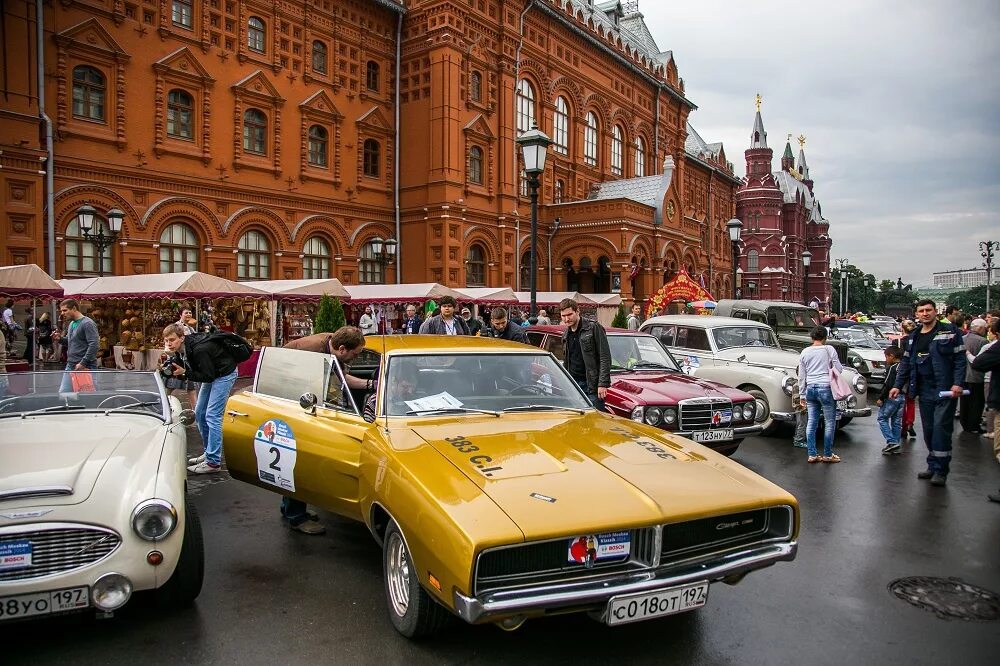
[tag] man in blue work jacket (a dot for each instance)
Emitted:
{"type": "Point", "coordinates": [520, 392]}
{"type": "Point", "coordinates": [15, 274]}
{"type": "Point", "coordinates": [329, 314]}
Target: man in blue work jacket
{"type": "Point", "coordinates": [933, 370]}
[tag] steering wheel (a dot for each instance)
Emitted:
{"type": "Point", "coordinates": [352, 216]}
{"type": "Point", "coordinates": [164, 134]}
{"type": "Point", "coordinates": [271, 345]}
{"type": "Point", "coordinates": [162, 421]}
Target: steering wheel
{"type": "Point", "coordinates": [120, 397]}
{"type": "Point", "coordinates": [526, 389]}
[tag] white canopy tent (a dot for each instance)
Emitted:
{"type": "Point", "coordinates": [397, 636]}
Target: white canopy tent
{"type": "Point", "coordinates": [28, 281]}
{"type": "Point", "coordinates": [301, 290]}
{"type": "Point", "coordinates": [400, 293]}
{"type": "Point", "coordinates": [191, 284]}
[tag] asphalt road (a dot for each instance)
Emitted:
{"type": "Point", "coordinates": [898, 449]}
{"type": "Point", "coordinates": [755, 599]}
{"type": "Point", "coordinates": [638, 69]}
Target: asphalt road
{"type": "Point", "coordinates": [274, 596]}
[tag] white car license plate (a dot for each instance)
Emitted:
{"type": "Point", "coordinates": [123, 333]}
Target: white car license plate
{"type": "Point", "coordinates": [644, 605]}
{"type": "Point", "coordinates": [44, 603]}
{"type": "Point", "coordinates": [723, 435]}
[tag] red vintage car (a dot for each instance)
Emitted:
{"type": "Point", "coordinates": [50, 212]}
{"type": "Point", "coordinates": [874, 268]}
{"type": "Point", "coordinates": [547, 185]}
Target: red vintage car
{"type": "Point", "coordinates": [648, 385]}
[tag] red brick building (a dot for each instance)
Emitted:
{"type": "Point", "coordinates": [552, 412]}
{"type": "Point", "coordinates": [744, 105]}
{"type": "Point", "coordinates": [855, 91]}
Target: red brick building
{"type": "Point", "coordinates": [255, 139]}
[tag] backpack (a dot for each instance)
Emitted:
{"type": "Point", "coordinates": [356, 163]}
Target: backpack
{"type": "Point", "coordinates": [233, 344]}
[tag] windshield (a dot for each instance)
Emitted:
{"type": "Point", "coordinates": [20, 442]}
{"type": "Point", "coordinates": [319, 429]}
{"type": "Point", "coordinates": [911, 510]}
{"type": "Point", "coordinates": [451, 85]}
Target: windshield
{"type": "Point", "coordinates": [857, 338]}
{"type": "Point", "coordinates": [435, 383]}
{"type": "Point", "coordinates": [795, 318]}
{"type": "Point", "coordinates": [639, 352]}
{"type": "Point", "coordinates": [110, 391]}
{"type": "Point", "coordinates": [727, 337]}
{"type": "Point", "coordinates": [887, 327]}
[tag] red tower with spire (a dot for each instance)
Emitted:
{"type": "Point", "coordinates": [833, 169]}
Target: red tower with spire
{"type": "Point", "coordinates": [781, 220]}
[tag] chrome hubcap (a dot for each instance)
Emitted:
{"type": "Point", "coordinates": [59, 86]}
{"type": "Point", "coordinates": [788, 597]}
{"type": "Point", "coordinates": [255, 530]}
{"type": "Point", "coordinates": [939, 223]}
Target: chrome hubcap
{"type": "Point", "coordinates": [398, 574]}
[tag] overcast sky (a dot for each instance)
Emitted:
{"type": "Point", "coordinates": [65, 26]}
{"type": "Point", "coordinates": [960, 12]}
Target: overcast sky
{"type": "Point", "coordinates": [899, 101]}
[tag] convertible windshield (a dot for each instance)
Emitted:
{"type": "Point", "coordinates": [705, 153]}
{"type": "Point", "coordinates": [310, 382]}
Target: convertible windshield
{"type": "Point", "coordinates": [457, 383]}
{"type": "Point", "coordinates": [108, 391]}
{"type": "Point", "coordinates": [639, 352]}
{"type": "Point", "coordinates": [728, 337]}
{"type": "Point", "coordinates": [857, 338]}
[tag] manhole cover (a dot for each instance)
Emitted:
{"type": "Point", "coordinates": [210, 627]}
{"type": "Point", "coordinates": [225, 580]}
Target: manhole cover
{"type": "Point", "coordinates": [948, 598]}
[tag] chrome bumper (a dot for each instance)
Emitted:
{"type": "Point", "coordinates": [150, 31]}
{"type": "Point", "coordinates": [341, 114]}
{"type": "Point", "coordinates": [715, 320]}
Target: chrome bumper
{"type": "Point", "coordinates": [595, 592]}
{"type": "Point", "coordinates": [783, 416]}
{"type": "Point", "coordinates": [742, 431]}
{"type": "Point", "coordinates": [857, 411]}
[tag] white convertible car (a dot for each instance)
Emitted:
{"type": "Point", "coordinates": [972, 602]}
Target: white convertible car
{"type": "Point", "coordinates": [92, 494]}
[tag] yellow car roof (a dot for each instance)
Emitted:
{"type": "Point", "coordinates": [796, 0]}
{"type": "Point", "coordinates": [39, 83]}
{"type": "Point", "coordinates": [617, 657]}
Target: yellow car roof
{"type": "Point", "coordinates": [387, 344]}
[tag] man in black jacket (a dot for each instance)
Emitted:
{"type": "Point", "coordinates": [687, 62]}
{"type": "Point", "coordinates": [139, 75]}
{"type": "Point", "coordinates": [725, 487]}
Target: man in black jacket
{"type": "Point", "coordinates": [201, 357]}
{"type": "Point", "coordinates": [504, 329]}
{"type": "Point", "coordinates": [587, 355]}
{"type": "Point", "coordinates": [988, 360]}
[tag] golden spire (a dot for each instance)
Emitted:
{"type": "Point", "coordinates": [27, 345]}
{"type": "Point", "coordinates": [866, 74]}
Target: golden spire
{"type": "Point", "coordinates": [802, 141]}
{"type": "Point", "coordinates": [757, 100]}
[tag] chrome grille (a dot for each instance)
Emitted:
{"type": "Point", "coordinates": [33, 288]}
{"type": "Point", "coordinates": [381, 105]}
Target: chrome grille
{"type": "Point", "coordinates": [59, 548]}
{"type": "Point", "coordinates": [696, 413]}
{"type": "Point", "coordinates": [693, 537]}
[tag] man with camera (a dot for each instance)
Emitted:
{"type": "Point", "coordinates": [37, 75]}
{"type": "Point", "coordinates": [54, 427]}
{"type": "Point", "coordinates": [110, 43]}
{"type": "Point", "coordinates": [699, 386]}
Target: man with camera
{"type": "Point", "coordinates": [211, 360]}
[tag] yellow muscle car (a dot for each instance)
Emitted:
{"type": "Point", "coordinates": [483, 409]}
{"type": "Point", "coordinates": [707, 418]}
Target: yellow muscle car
{"type": "Point", "coordinates": [495, 490]}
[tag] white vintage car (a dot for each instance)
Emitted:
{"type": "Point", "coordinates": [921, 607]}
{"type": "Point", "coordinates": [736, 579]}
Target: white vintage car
{"type": "Point", "coordinates": [865, 347]}
{"type": "Point", "coordinates": [745, 354]}
{"type": "Point", "coordinates": [92, 494]}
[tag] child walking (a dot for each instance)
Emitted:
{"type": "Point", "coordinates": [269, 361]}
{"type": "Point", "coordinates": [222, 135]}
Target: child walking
{"type": "Point", "coordinates": [890, 410]}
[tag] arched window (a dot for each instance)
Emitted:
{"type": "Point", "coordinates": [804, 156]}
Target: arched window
{"type": "Point", "coordinates": [560, 127]}
{"type": "Point", "coordinates": [318, 139]}
{"type": "Point", "coordinates": [560, 189]}
{"type": "Point", "coordinates": [182, 13]}
{"type": "Point", "coordinates": [525, 272]}
{"type": "Point", "coordinates": [255, 34]}
{"type": "Point", "coordinates": [476, 165]}
{"type": "Point", "coordinates": [316, 259]}
{"type": "Point", "coordinates": [253, 260]}
{"type": "Point", "coordinates": [319, 57]}
{"type": "Point", "coordinates": [370, 269]}
{"type": "Point", "coordinates": [178, 249]}
{"type": "Point", "coordinates": [81, 256]}
{"type": "Point", "coordinates": [616, 150]}
{"type": "Point", "coordinates": [88, 93]}
{"type": "Point", "coordinates": [753, 261]}
{"type": "Point", "coordinates": [525, 106]}
{"type": "Point", "coordinates": [475, 266]}
{"type": "Point", "coordinates": [371, 158]}
{"type": "Point", "coordinates": [255, 132]}
{"type": "Point", "coordinates": [476, 87]}
{"type": "Point", "coordinates": [372, 76]}
{"type": "Point", "coordinates": [590, 140]}
{"type": "Point", "coordinates": [640, 157]}
{"type": "Point", "coordinates": [180, 106]}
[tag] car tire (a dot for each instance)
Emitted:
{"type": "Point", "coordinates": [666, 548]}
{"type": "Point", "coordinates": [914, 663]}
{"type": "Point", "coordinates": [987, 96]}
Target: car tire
{"type": "Point", "coordinates": [770, 425]}
{"type": "Point", "coordinates": [184, 585]}
{"type": "Point", "coordinates": [844, 420]}
{"type": "Point", "coordinates": [413, 612]}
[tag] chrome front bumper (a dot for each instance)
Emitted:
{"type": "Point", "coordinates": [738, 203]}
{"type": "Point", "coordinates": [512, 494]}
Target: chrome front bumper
{"type": "Point", "coordinates": [742, 431]}
{"type": "Point", "coordinates": [857, 411]}
{"type": "Point", "coordinates": [595, 592]}
{"type": "Point", "coordinates": [783, 416]}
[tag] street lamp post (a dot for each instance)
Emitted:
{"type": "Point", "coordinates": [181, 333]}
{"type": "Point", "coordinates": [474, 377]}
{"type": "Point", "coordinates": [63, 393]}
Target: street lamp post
{"type": "Point", "coordinates": [864, 300]}
{"type": "Point", "coordinates": [806, 260]}
{"type": "Point", "coordinates": [988, 249]}
{"type": "Point", "coordinates": [534, 143]}
{"type": "Point", "coordinates": [844, 302]}
{"type": "Point", "coordinates": [385, 251]}
{"type": "Point", "coordinates": [734, 226]}
{"type": "Point", "coordinates": [784, 292]}
{"type": "Point", "coordinates": [85, 215]}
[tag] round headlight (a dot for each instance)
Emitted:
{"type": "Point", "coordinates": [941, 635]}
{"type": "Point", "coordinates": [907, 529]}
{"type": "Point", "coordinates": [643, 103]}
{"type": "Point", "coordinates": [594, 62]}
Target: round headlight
{"type": "Point", "coordinates": [748, 411]}
{"type": "Point", "coordinates": [111, 591]}
{"type": "Point", "coordinates": [787, 385]}
{"type": "Point", "coordinates": [860, 384]}
{"type": "Point", "coordinates": [154, 519]}
{"type": "Point", "coordinates": [856, 361]}
{"type": "Point", "coordinates": [670, 415]}
{"type": "Point", "coordinates": [852, 402]}
{"type": "Point", "coordinates": [637, 413]}
{"type": "Point", "coordinates": [652, 415]}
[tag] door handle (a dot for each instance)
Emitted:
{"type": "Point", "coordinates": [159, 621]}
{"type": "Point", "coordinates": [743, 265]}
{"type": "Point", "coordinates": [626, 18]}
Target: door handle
{"type": "Point", "coordinates": [235, 413]}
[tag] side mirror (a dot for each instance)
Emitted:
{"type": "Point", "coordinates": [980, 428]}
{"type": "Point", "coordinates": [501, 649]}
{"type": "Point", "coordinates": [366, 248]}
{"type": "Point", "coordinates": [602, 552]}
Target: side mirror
{"type": "Point", "coordinates": [186, 417]}
{"type": "Point", "coordinates": [307, 401]}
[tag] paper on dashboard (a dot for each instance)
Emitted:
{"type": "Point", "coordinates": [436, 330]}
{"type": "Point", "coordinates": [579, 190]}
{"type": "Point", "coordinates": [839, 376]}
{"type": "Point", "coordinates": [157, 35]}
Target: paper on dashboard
{"type": "Point", "coordinates": [443, 400]}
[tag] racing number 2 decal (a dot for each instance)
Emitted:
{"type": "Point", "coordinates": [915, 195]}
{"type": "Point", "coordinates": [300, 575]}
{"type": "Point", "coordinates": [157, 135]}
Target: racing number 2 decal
{"type": "Point", "coordinates": [463, 445]}
{"type": "Point", "coordinates": [276, 451]}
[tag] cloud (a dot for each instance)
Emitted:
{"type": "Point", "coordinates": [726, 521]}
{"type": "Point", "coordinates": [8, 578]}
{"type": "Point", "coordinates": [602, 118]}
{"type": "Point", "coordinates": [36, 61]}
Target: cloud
{"type": "Point", "coordinates": [898, 101]}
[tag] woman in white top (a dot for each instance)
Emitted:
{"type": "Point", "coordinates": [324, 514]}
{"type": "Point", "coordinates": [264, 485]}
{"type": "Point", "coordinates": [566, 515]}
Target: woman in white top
{"type": "Point", "coordinates": [815, 362]}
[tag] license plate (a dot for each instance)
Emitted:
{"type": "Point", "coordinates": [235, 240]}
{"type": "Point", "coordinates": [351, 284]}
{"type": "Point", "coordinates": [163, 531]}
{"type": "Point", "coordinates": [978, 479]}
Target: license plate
{"type": "Point", "coordinates": [644, 605]}
{"type": "Point", "coordinates": [712, 435]}
{"type": "Point", "coordinates": [44, 603]}
{"type": "Point", "coordinates": [15, 555]}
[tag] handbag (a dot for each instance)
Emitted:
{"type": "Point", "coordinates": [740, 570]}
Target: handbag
{"type": "Point", "coordinates": [838, 385]}
{"type": "Point", "coordinates": [82, 381]}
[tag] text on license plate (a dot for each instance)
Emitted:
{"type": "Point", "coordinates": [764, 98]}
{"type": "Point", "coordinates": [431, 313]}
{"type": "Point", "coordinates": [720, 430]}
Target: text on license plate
{"type": "Point", "coordinates": [43, 603]}
{"type": "Point", "coordinates": [644, 605]}
{"type": "Point", "coordinates": [722, 435]}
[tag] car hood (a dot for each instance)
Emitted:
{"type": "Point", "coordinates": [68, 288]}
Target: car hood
{"type": "Point", "coordinates": [56, 460]}
{"type": "Point", "coordinates": [869, 354]}
{"type": "Point", "coordinates": [669, 387]}
{"type": "Point", "coordinates": [561, 473]}
{"type": "Point", "coordinates": [773, 358]}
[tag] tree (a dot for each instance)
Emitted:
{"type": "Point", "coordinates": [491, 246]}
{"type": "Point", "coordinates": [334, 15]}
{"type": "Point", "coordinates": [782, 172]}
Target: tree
{"type": "Point", "coordinates": [620, 320]}
{"type": "Point", "coordinates": [859, 297]}
{"type": "Point", "coordinates": [973, 301]}
{"type": "Point", "coordinates": [329, 316]}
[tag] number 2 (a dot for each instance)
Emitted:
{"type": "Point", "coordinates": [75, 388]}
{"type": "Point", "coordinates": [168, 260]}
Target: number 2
{"type": "Point", "coordinates": [277, 456]}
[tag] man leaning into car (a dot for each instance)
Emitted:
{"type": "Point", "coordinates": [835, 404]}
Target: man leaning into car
{"type": "Point", "coordinates": [588, 355]}
{"type": "Point", "coordinates": [344, 345]}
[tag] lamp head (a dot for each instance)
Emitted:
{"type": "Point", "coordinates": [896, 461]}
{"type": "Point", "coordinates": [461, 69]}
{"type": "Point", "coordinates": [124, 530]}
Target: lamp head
{"type": "Point", "coordinates": [390, 248]}
{"type": "Point", "coordinates": [734, 226]}
{"type": "Point", "coordinates": [377, 244]}
{"type": "Point", "coordinates": [115, 218]}
{"type": "Point", "coordinates": [534, 144]}
{"type": "Point", "coordinates": [85, 216]}
{"type": "Point", "coordinates": [806, 258]}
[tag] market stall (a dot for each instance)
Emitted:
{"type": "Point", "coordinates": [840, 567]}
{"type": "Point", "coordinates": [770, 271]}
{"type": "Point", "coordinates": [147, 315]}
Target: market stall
{"type": "Point", "coordinates": [294, 304]}
{"type": "Point", "coordinates": [389, 301]}
{"type": "Point", "coordinates": [607, 307]}
{"type": "Point", "coordinates": [674, 296]}
{"type": "Point", "coordinates": [485, 298]}
{"type": "Point", "coordinates": [131, 311]}
{"type": "Point", "coordinates": [27, 282]}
